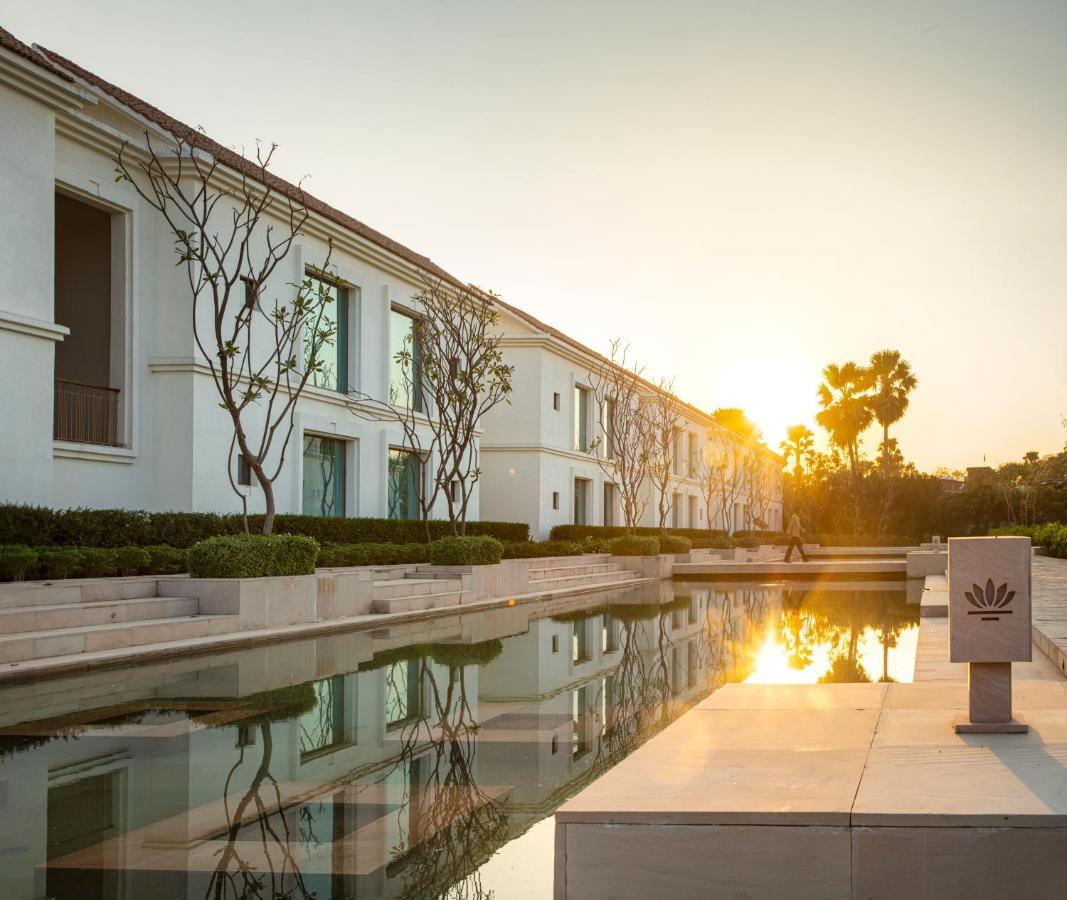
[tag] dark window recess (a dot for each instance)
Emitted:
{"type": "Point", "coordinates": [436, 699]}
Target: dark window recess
{"type": "Point", "coordinates": [244, 472]}
{"type": "Point", "coordinates": [555, 643]}
{"type": "Point", "coordinates": [454, 488]}
{"type": "Point", "coordinates": [453, 367]}
{"type": "Point", "coordinates": [555, 499]}
{"type": "Point", "coordinates": [555, 402]}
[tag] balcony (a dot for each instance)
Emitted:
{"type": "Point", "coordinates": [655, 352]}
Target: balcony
{"type": "Point", "coordinates": [86, 413]}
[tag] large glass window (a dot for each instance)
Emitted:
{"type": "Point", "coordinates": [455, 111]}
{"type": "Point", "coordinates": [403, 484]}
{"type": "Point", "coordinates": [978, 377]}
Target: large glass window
{"type": "Point", "coordinates": [609, 503]}
{"type": "Point", "coordinates": [405, 374]}
{"type": "Point", "coordinates": [324, 476]}
{"type": "Point", "coordinates": [581, 419]}
{"type": "Point", "coordinates": [609, 429]}
{"type": "Point", "coordinates": [332, 356]}
{"type": "Point", "coordinates": [402, 694]}
{"type": "Point", "coordinates": [323, 727]}
{"type": "Point", "coordinates": [405, 483]}
{"type": "Point", "coordinates": [581, 501]}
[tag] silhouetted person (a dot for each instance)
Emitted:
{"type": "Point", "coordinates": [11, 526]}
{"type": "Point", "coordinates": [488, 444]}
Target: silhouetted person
{"type": "Point", "coordinates": [794, 533]}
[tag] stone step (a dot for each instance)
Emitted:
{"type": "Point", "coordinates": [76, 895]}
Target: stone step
{"type": "Point", "coordinates": [410, 587]}
{"type": "Point", "coordinates": [416, 602]}
{"type": "Point", "coordinates": [65, 641]}
{"type": "Point", "coordinates": [558, 570]}
{"type": "Point", "coordinates": [43, 617]}
{"type": "Point", "coordinates": [572, 581]}
{"type": "Point", "coordinates": [79, 590]}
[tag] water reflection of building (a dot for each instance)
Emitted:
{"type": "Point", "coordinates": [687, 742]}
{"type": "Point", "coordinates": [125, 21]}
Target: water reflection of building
{"type": "Point", "coordinates": [389, 763]}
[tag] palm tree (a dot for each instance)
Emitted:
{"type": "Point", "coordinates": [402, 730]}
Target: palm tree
{"type": "Point", "coordinates": [799, 442]}
{"type": "Point", "coordinates": [846, 412]}
{"type": "Point", "coordinates": [892, 381]}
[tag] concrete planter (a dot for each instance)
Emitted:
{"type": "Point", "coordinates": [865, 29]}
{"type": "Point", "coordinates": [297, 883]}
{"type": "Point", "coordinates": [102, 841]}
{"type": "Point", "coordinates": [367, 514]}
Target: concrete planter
{"type": "Point", "coordinates": [660, 566]}
{"type": "Point", "coordinates": [926, 562]}
{"type": "Point", "coordinates": [257, 602]}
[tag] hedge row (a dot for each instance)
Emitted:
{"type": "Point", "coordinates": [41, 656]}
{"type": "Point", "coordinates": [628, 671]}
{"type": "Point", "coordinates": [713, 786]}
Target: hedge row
{"type": "Point", "coordinates": [41, 526]}
{"type": "Point", "coordinates": [19, 562]}
{"type": "Point", "coordinates": [253, 556]}
{"type": "Point", "coordinates": [581, 532]}
{"type": "Point", "coordinates": [1051, 535]}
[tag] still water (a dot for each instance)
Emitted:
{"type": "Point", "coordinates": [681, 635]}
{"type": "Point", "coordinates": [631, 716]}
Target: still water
{"type": "Point", "coordinates": [418, 761]}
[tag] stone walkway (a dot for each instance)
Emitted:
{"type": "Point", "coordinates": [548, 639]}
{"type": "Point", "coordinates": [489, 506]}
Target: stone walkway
{"type": "Point", "coordinates": [1050, 608]}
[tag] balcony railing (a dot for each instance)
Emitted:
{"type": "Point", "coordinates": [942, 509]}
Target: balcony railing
{"type": "Point", "coordinates": [86, 413]}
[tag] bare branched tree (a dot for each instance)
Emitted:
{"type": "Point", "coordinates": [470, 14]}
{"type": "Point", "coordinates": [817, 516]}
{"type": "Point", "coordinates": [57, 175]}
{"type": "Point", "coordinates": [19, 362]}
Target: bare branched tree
{"type": "Point", "coordinates": [664, 412]}
{"type": "Point", "coordinates": [231, 231]}
{"type": "Point", "coordinates": [448, 375]}
{"type": "Point", "coordinates": [622, 440]}
{"type": "Point", "coordinates": [722, 473]}
{"type": "Point", "coordinates": [758, 486]}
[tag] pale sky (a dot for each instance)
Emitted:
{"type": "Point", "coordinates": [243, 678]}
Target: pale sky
{"type": "Point", "coordinates": [744, 190]}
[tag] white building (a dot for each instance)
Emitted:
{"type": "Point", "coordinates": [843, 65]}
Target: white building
{"type": "Point", "coordinates": [540, 454]}
{"type": "Point", "coordinates": [110, 403]}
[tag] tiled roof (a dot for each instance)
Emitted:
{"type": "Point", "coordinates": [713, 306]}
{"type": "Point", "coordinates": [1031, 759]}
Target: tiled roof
{"type": "Point", "coordinates": [9, 42]}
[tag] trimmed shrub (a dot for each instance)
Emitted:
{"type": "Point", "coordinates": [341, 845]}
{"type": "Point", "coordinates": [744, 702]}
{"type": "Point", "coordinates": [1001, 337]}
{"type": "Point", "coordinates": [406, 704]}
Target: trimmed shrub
{"type": "Point", "coordinates": [164, 560]}
{"type": "Point", "coordinates": [16, 562]}
{"type": "Point", "coordinates": [343, 555]}
{"type": "Point", "coordinates": [606, 532]}
{"type": "Point", "coordinates": [57, 562]}
{"type": "Point", "coordinates": [96, 562]}
{"type": "Point", "coordinates": [672, 543]}
{"type": "Point", "coordinates": [635, 545]}
{"type": "Point", "coordinates": [1052, 536]}
{"type": "Point", "coordinates": [466, 551]}
{"type": "Point", "coordinates": [131, 560]}
{"type": "Point", "coordinates": [41, 526]}
{"type": "Point", "coordinates": [538, 549]}
{"type": "Point", "coordinates": [253, 556]}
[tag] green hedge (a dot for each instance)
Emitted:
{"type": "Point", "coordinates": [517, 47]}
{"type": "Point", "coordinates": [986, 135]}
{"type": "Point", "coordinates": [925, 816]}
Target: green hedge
{"type": "Point", "coordinates": [635, 545]}
{"type": "Point", "coordinates": [606, 532]}
{"type": "Point", "coordinates": [253, 556]}
{"type": "Point", "coordinates": [340, 555]}
{"type": "Point", "coordinates": [43, 527]}
{"type": "Point", "coordinates": [466, 551]}
{"type": "Point", "coordinates": [538, 549]}
{"type": "Point", "coordinates": [18, 563]}
{"type": "Point", "coordinates": [673, 543]}
{"type": "Point", "coordinates": [1051, 535]}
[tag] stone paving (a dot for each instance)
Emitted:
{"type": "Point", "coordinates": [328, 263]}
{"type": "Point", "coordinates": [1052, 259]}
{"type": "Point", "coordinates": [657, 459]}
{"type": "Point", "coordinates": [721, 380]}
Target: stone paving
{"type": "Point", "coordinates": [846, 791]}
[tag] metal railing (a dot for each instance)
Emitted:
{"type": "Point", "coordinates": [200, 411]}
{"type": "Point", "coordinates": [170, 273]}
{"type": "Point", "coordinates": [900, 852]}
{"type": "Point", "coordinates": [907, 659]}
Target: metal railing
{"type": "Point", "coordinates": [86, 413]}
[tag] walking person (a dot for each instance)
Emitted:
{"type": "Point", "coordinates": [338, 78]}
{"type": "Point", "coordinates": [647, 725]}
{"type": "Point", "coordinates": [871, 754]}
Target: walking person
{"type": "Point", "coordinates": [794, 532]}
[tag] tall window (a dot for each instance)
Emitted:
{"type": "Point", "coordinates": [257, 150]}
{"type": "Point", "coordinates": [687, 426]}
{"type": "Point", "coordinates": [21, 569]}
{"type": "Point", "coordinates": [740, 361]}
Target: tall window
{"type": "Point", "coordinates": [609, 429]}
{"type": "Point", "coordinates": [692, 523]}
{"type": "Point", "coordinates": [405, 484]}
{"type": "Point", "coordinates": [581, 419]}
{"type": "Point", "coordinates": [609, 503]}
{"type": "Point", "coordinates": [676, 510]}
{"type": "Point", "coordinates": [579, 642]}
{"type": "Point", "coordinates": [332, 372]}
{"type": "Point", "coordinates": [694, 456]}
{"type": "Point", "coordinates": [609, 643]}
{"type": "Point", "coordinates": [405, 378]}
{"type": "Point", "coordinates": [323, 727]}
{"type": "Point", "coordinates": [677, 451]}
{"type": "Point", "coordinates": [324, 476]}
{"type": "Point", "coordinates": [581, 501]}
{"type": "Point", "coordinates": [402, 693]}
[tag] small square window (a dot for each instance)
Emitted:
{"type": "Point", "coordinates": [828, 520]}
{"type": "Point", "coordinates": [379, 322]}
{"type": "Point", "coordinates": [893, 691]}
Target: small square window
{"type": "Point", "coordinates": [555, 401]}
{"type": "Point", "coordinates": [555, 643]}
{"type": "Point", "coordinates": [555, 499]}
{"type": "Point", "coordinates": [244, 472]}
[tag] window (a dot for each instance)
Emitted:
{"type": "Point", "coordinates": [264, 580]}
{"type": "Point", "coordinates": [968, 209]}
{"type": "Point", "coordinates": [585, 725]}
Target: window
{"type": "Point", "coordinates": [580, 723]}
{"type": "Point", "coordinates": [555, 401]}
{"type": "Point", "coordinates": [454, 491]}
{"type": "Point", "coordinates": [332, 356]}
{"type": "Point", "coordinates": [90, 363]}
{"type": "Point", "coordinates": [324, 477]}
{"type": "Point", "coordinates": [581, 419]}
{"type": "Point", "coordinates": [581, 501]}
{"type": "Point", "coordinates": [244, 471]}
{"type": "Point", "coordinates": [580, 643]}
{"type": "Point", "coordinates": [609, 503]}
{"type": "Point", "coordinates": [677, 462]}
{"type": "Point", "coordinates": [607, 635]}
{"type": "Point", "coordinates": [694, 454]}
{"type": "Point", "coordinates": [692, 523]}
{"type": "Point", "coordinates": [405, 359]}
{"type": "Point", "coordinates": [405, 484]}
{"type": "Point", "coordinates": [691, 664]}
{"type": "Point", "coordinates": [402, 693]}
{"type": "Point", "coordinates": [609, 429]}
{"type": "Point", "coordinates": [555, 643]}
{"type": "Point", "coordinates": [555, 499]}
{"type": "Point", "coordinates": [323, 728]}
{"type": "Point", "coordinates": [676, 510]}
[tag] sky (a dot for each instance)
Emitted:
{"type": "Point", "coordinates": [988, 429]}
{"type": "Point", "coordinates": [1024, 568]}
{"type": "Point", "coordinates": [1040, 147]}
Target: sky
{"type": "Point", "coordinates": [744, 191]}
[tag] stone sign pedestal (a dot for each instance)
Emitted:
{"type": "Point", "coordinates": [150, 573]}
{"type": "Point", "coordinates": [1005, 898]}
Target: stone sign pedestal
{"type": "Point", "coordinates": [989, 624]}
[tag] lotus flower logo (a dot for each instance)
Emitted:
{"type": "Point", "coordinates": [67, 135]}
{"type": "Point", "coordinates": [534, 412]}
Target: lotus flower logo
{"type": "Point", "coordinates": [989, 602]}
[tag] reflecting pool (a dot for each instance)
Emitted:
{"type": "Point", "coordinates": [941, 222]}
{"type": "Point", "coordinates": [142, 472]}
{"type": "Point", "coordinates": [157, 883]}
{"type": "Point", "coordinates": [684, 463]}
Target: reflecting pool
{"type": "Point", "coordinates": [416, 761]}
